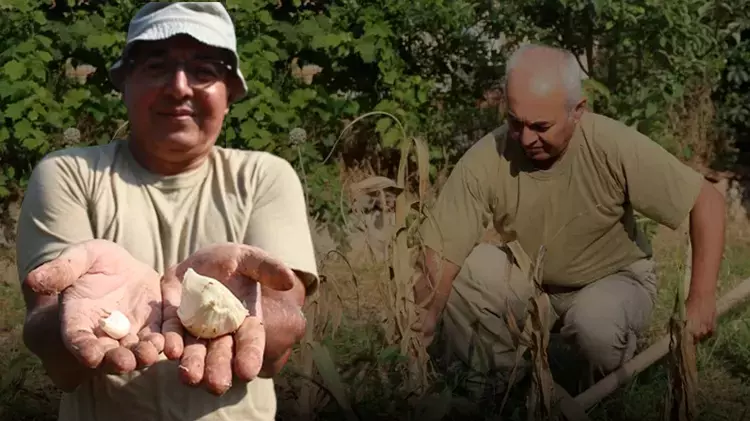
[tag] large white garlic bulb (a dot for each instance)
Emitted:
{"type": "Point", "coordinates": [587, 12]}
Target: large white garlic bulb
{"type": "Point", "coordinates": [208, 309]}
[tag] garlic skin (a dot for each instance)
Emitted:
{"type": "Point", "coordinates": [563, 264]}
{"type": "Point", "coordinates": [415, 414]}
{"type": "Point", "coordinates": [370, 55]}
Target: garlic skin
{"type": "Point", "coordinates": [116, 325]}
{"type": "Point", "coordinates": [208, 309]}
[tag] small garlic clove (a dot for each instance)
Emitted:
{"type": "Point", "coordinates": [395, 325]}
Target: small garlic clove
{"type": "Point", "coordinates": [208, 309]}
{"type": "Point", "coordinates": [116, 325]}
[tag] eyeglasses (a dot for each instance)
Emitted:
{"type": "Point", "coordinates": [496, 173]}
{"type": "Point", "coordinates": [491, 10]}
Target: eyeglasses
{"type": "Point", "coordinates": [201, 73]}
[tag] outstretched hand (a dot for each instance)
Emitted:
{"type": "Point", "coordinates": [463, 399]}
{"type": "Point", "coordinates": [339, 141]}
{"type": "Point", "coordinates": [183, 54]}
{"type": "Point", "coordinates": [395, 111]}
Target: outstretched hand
{"type": "Point", "coordinates": [94, 278]}
{"type": "Point", "coordinates": [243, 269]}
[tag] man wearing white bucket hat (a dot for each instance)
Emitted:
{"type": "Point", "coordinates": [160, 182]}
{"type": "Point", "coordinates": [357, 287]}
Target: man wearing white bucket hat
{"type": "Point", "coordinates": [115, 226]}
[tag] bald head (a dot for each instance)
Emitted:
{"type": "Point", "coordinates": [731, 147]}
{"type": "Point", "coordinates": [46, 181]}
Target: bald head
{"type": "Point", "coordinates": [545, 100]}
{"type": "Point", "coordinates": [544, 71]}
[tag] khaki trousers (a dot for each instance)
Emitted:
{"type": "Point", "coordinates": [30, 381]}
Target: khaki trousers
{"type": "Point", "coordinates": [602, 320]}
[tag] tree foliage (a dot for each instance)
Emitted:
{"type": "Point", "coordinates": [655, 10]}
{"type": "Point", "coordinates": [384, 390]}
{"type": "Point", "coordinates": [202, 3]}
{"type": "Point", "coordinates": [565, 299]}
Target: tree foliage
{"type": "Point", "coordinates": [318, 64]}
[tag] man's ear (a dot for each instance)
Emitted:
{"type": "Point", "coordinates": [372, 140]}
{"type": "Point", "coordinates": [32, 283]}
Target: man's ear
{"type": "Point", "coordinates": [579, 109]}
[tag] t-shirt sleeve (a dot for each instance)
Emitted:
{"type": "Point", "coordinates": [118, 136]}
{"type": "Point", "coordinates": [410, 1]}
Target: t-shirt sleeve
{"type": "Point", "coordinates": [657, 184]}
{"type": "Point", "coordinates": [54, 212]}
{"type": "Point", "coordinates": [458, 218]}
{"type": "Point", "coordinates": [279, 221]}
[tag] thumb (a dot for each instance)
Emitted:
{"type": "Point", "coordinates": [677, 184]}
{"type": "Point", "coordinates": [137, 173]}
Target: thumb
{"type": "Point", "coordinates": [265, 269]}
{"type": "Point", "coordinates": [56, 275]}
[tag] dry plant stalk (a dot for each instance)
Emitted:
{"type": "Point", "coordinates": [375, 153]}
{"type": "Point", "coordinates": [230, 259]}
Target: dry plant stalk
{"type": "Point", "coordinates": [404, 308]}
{"type": "Point", "coordinates": [680, 402]}
{"type": "Point", "coordinates": [323, 312]}
{"type": "Point", "coordinates": [546, 399]}
{"type": "Point", "coordinates": [535, 339]}
{"type": "Point", "coordinates": [398, 293]}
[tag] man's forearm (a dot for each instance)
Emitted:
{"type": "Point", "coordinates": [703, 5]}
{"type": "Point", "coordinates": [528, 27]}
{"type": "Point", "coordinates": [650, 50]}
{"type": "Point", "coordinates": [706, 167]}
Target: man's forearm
{"type": "Point", "coordinates": [434, 282]}
{"type": "Point", "coordinates": [707, 225]}
{"type": "Point", "coordinates": [41, 335]}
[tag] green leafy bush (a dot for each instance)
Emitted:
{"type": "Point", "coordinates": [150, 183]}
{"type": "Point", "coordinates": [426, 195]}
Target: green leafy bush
{"type": "Point", "coordinates": [316, 65]}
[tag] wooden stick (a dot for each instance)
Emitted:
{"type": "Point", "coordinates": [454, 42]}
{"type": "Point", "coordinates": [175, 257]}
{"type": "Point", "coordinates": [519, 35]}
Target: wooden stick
{"type": "Point", "coordinates": [650, 355]}
{"type": "Point", "coordinates": [569, 407]}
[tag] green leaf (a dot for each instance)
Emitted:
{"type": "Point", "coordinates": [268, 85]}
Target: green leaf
{"type": "Point", "coordinates": [98, 41]}
{"type": "Point", "coordinates": [299, 98]}
{"type": "Point", "coordinates": [264, 17]}
{"type": "Point", "coordinates": [14, 69]}
{"type": "Point", "coordinates": [44, 56]}
{"type": "Point", "coordinates": [383, 124]}
{"type": "Point", "coordinates": [45, 41]}
{"type": "Point", "coordinates": [366, 50]}
{"type": "Point", "coordinates": [74, 98]}
{"type": "Point", "coordinates": [248, 129]}
{"type": "Point", "coordinates": [26, 47]}
{"type": "Point", "coordinates": [259, 143]}
{"type": "Point", "coordinates": [4, 134]}
{"type": "Point", "coordinates": [39, 17]}
{"type": "Point", "coordinates": [22, 129]}
{"type": "Point", "coordinates": [592, 86]}
{"type": "Point", "coordinates": [270, 56]}
{"type": "Point", "coordinates": [281, 118]}
{"type": "Point", "coordinates": [39, 72]}
{"type": "Point", "coordinates": [392, 137]}
{"type": "Point", "coordinates": [390, 77]}
{"type": "Point", "coordinates": [34, 141]}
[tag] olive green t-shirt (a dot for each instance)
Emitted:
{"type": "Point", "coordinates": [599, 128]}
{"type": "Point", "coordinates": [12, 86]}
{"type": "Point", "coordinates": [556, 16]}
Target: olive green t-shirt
{"type": "Point", "coordinates": [101, 192]}
{"type": "Point", "coordinates": [581, 209]}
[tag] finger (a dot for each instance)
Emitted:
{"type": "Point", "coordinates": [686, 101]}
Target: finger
{"type": "Point", "coordinates": [151, 331]}
{"type": "Point", "coordinates": [119, 360]}
{"type": "Point", "coordinates": [84, 345]}
{"type": "Point", "coordinates": [174, 346]}
{"type": "Point", "coordinates": [56, 275]}
{"type": "Point", "coordinates": [192, 363]}
{"type": "Point", "coordinates": [265, 269]}
{"type": "Point", "coordinates": [155, 338]}
{"type": "Point", "coordinates": [171, 327]}
{"type": "Point", "coordinates": [130, 340]}
{"type": "Point", "coordinates": [218, 375]}
{"type": "Point", "coordinates": [250, 341]}
{"type": "Point", "coordinates": [148, 349]}
{"type": "Point", "coordinates": [145, 354]}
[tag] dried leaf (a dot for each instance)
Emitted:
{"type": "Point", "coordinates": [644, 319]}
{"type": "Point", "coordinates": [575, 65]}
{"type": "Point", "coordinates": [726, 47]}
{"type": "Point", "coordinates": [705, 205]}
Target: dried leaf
{"type": "Point", "coordinates": [373, 184]}
{"type": "Point", "coordinates": [683, 373]}
{"type": "Point", "coordinates": [332, 379]}
{"type": "Point", "coordinates": [306, 72]}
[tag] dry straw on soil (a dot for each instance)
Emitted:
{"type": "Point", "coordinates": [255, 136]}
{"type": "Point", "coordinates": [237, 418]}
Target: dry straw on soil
{"type": "Point", "coordinates": [397, 294]}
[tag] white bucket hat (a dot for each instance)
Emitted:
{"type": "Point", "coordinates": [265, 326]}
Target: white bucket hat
{"type": "Point", "coordinates": [207, 22]}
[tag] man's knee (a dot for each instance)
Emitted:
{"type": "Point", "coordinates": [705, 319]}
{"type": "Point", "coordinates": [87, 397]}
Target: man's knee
{"type": "Point", "coordinates": [473, 323]}
{"type": "Point", "coordinates": [486, 265]}
{"type": "Point", "coordinates": [604, 341]}
{"type": "Point", "coordinates": [607, 316]}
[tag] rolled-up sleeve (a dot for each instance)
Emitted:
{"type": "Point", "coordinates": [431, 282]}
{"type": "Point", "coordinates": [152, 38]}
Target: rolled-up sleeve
{"type": "Point", "coordinates": [54, 212]}
{"type": "Point", "coordinates": [458, 218]}
{"type": "Point", "coordinates": [279, 220]}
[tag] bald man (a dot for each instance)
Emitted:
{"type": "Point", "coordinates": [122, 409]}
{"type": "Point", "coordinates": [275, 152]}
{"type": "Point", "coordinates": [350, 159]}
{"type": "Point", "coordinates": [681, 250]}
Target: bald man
{"type": "Point", "coordinates": [558, 176]}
